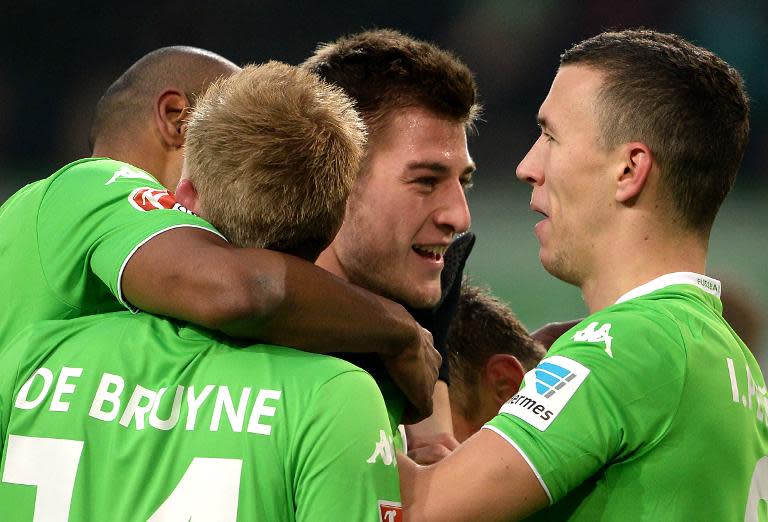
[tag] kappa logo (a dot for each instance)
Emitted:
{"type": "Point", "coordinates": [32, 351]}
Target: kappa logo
{"type": "Point", "coordinates": [390, 511]}
{"type": "Point", "coordinates": [146, 198]}
{"type": "Point", "coordinates": [125, 172]}
{"type": "Point", "coordinates": [592, 334]}
{"type": "Point", "coordinates": [384, 450]}
{"type": "Point", "coordinates": [546, 390]}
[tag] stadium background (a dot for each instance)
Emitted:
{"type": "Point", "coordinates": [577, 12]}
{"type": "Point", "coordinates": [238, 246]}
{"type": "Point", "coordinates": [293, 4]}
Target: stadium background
{"type": "Point", "coordinates": [57, 58]}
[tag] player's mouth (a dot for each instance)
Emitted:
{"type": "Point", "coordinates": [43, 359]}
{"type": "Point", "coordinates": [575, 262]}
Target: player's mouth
{"type": "Point", "coordinates": [538, 210]}
{"type": "Point", "coordinates": [432, 253]}
{"type": "Point", "coordinates": [538, 227]}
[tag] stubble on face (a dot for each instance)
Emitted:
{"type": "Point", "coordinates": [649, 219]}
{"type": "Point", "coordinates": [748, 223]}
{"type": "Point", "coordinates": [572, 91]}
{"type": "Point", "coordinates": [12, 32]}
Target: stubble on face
{"type": "Point", "coordinates": [364, 248]}
{"type": "Point", "coordinates": [570, 174]}
{"type": "Point", "coordinates": [562, 265]}
{"type": "Point", "coordinates": [391, 208]}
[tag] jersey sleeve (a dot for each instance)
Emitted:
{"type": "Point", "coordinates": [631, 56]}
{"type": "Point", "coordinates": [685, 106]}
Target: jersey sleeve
{"type": "Point", "coordinates": [345, 465]}
{"type": "Point", "coordinates": [93, 217]}
{"type": "Point", "coordinates": [602, 395]}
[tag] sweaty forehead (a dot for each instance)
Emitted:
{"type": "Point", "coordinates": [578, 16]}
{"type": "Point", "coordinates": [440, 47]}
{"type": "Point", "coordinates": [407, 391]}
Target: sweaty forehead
{"type": "Point", "coordinates": [416, 132]}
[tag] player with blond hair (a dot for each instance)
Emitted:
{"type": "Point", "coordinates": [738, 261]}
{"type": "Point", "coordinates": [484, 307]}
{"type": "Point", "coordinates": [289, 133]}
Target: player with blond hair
{"type": "Point", "coordinates": [123, 416]}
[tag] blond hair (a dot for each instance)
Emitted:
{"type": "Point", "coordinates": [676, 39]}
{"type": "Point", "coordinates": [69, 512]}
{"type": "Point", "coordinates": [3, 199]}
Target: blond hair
{"type": "Point", "coordinates": [273, 152]}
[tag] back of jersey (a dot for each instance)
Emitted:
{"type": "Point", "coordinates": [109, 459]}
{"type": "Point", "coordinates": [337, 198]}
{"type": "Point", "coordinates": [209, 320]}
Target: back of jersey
{"type": "Point", "coordinates": [710, 458]}
{"type": "Point", "coordinates": [133, 417]}
{"type": "Point", "coordinates": [725, 402]}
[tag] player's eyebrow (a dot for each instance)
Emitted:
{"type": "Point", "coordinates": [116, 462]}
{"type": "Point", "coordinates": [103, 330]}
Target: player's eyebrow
{"type": "Point", "coordinates": [439, 168]}
{"type": "Point", "coordinates": [542, 122]}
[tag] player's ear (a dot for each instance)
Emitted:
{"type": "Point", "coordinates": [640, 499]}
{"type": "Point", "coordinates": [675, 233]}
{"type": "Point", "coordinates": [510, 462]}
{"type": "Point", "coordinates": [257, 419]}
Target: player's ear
{"type": "Point", "coordinates": [186, 195]}
{"type": "Point", "coordinates": [170, 113]}
{"type": "Point", "coordinates": [633, 171]}
{"type": "Point", "coordinates": [504, 373]}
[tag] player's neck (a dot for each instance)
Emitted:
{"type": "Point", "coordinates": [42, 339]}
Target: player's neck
{"type": "Point", "coordinates": [328, 260]}
{"type": "Point", "coordinates": [463, 427]}
{"type": "Point", "coordinates": [635, 261]}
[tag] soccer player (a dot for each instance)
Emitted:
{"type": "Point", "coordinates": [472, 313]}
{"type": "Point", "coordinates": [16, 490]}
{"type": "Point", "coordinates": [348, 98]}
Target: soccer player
{"type": "Point", "coordinates": [489, 351]}
{"type": "Point", "coordinates": [651, 408]}
{"type": "Point", "coordinates": [124, 416]}
{"type": "Point", "coordinates": [82, 242]}
{"type": "Point", "coordinates": [409, 202]}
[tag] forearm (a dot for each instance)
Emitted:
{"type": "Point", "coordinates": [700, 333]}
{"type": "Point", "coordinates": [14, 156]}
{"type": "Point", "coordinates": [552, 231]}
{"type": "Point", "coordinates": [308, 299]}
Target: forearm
{"type": "Point", "coordinates": [484, 479]}
{"type": "Point", "coordinates": [261, 295]}
{"type": "Point", "coordinates": [431, 440]}
{"type": "Point", "coordinates": [440, 420]}
{"type": "Point", "coordinates": [307, 307]}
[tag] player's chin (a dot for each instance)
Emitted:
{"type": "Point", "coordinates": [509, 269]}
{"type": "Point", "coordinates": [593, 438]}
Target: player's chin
{"type": "Point", "coordinates": [424, 295]}
{"type": "Point", "coordinates": [561, 268]}
{"type": "Point", "coordinates": [550, 264]}
{"type": "Point", "coordinates": [550, 259]}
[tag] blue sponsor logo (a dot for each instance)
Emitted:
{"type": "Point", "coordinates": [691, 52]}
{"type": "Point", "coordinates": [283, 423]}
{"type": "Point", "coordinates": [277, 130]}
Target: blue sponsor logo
{"type": "Point", "coordinates": [551, 377]}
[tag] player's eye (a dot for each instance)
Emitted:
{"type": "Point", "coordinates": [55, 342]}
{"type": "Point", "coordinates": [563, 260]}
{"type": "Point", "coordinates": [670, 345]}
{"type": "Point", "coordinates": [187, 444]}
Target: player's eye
{"type": "Point", "coordinates": [546, 135]}
{"type": "Point", "coordinates": [426, 181]}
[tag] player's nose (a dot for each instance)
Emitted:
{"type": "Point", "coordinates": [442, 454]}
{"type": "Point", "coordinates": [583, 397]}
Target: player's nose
{"type": "Point", "coordinates": [453, 211]}
{"type": "Point", "coordinates": [529, 169]}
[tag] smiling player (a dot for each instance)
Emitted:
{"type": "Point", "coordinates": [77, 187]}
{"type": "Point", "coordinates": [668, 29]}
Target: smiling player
{"type": "Point", "coordinates": [156, 419]}
{"type": "Point", "coordinates": [409, 201]}
{"type": "Point", "coordinates": [78, 242]}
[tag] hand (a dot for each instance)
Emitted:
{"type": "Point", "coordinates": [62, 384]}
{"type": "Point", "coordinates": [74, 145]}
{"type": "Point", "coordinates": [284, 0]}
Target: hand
{"type": "Point", "coordinates": [414, 371]}
{"type": "Point", "coordinates": [550, 332]}
{"type": "Point", "coordinates": [431, 449]}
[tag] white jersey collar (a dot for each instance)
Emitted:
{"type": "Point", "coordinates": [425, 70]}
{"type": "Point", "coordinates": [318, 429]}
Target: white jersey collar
{"type": "Point", "coordinates": [709, 285]}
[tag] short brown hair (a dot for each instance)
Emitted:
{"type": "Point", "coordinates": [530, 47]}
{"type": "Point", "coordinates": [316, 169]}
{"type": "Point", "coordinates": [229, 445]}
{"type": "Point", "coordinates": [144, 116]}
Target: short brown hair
{"type": "Point", "coordinates": [273, 152]}
{"type": "Point", "coordinates": [687, 104]}
{"type": "Point", "coordinates": [383, 70]}
{"type": "Point", "coordinates": [484, 326]}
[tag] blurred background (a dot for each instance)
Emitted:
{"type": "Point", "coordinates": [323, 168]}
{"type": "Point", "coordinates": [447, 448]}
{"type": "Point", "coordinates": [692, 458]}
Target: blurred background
{"type": "Point", "coordinates": [58, 57]}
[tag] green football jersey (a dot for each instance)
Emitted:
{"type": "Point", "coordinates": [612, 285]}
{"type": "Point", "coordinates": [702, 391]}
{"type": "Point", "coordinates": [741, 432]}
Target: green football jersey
{"type": "Point", "coordinates": [394, 398]}
{"type": "Point", "coordinates": [650, 409]}
{"type": "Point", "coordinates": [133, 417]}
{"type": "Point", "coordinates": [67, 238]}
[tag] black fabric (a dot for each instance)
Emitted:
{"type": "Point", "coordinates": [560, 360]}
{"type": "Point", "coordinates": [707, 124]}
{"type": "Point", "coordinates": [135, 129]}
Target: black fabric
{"type": "Point", "coordinates": [438, 319]}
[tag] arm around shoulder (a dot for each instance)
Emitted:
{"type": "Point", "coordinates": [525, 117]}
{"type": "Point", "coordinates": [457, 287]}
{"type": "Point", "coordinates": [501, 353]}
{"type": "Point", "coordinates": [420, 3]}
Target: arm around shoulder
{"type": "Point", "coordinates": [192, 274]}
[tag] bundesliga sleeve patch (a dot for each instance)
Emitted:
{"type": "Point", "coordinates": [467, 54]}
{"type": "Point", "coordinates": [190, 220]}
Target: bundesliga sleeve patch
{"type": "Point", "coordinates": [390, 511]}
{"type": "Point", "coordinates": [146, 198]}
{"type": "Point", "coordinates": [546, 390]}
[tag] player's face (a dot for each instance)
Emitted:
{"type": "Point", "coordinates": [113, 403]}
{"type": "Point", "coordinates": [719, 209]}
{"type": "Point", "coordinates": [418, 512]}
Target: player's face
{"type": "Point", "coordinates": [567, 169]}
{"type": "Point", "coordinates": [406, 207]}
